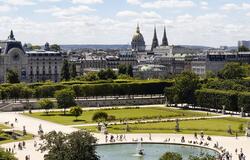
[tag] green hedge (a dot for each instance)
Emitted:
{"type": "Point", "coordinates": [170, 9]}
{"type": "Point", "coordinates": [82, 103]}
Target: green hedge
{"type": "Point", "coordinates": [210, 98]}
{"type": "Point", "coordinates": [110, 89]}
{"type": "Point", "coordinates": [244, 100]}
{"type": "Point", "coordinates": [84, 89]}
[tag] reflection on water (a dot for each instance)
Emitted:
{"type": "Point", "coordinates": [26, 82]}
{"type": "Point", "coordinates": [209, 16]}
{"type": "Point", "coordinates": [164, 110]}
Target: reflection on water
{"type": "Point", "coordinates": [152, 151]}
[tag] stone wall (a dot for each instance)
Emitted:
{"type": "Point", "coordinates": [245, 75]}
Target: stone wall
{"type": "Point", "coordinates": [121, 102]}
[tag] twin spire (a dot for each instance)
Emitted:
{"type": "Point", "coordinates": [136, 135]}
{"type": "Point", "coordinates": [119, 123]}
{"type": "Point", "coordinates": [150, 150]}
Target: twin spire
{"type": "Point", "coordinates": [155, 39]}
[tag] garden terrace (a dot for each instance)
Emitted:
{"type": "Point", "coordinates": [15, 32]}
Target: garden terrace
{"type": "Point", "coordinates": [119, 114]}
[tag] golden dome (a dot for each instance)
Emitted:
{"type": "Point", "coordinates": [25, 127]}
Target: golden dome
{"type": "Point", "coordinates": [137, 36]}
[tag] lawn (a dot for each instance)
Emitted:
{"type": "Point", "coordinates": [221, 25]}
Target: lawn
{"type": "Point", "coordinates": [3, 127]}
{"type": "Point", "coordinates": [23, 138]}
{"type": "Point", "coordinates": [120, 114]}
{"type": "Point", "coordinates": [9, 139]}
{"type": "Point", "coordinates": [209, 127]}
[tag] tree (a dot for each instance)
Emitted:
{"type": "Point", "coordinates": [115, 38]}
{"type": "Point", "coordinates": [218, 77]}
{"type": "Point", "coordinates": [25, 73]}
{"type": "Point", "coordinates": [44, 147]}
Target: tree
{"type": "Point", "coordinates": [210, 74]}
{"type": "Point", "coordinates": [15, 91]}
{"type": "Point", "coordinates": [107, 74]}
{"type": "Point", "coordinates": [206, 157]}
{"type": "Point", "coordinates": [65, 98]}
{"type": "Point", "coordinates": [4, 93]}
{"type": "Point", "coordinates": [12, 76]}
{"type": "Point", "coordinates": [76, 111]}
{"type": "Point", "coordinates": [185, 86]}
{"type": "Point", "coordinates": [100, 116]}
{"type": "Point", "coordinates": [55, 47]}
{"type": "Point", "coordinates": [171, 156]}
{"type": "Point", "coordinates": [46, 104]}
{"type": "Point", "coordinates": [65, 71]}
{"type": "Point", "coordinates": [27, 92]}
{"type": "Point", "coordinates": [6, 155]}
{"type": "Point", "coordinates": [232, 71]}
{"type": "Point", "coordinates": [243, 49]}
{"type": "Point", "coordinates": [77, 145]}
{"type": "Point", "coordinates": [125, 69]}
{"type": "Point", "coordinates": [122, 69]}
{"type": "Point", "coordinates": [73, 72]}
{"type": "Point", "coordinates": [91, 76]}
{"type": "Point", "coordinates": [130, 70]}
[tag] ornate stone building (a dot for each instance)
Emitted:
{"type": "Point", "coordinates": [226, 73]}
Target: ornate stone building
{"type": "Point", "coordinates": [12, 57]}
{"type": "Point", "coordinates": [31, 66]}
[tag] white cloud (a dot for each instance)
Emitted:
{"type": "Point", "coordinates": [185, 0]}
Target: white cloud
{"type": "Point", "coordinates": [168, 4]}
{"type": "Point", "coordinates": [204, 5]}
{"type": "Point", "coordinates": [134, 2]}
{"type": "Point", "coordinates": [50, 0]}
{"type": "Point", "coordinates": [5, 8]}
{"type": "Point", "coordinates": [230, 7]}
{"type": "Point", "coordinates": [20, 2]}
{"type": "Point", "coordinates": [149, 17]}
{"type": "Point", "coordinates": [248, 14]}
{"type": "Point", "coordinates": [127, 14]}
{"type": "Point", "coordinates": [64, 12]}
{"type": "Point", "coordinates": [87, 1]}
{"type": "Point", "coordinates": [233, 6]}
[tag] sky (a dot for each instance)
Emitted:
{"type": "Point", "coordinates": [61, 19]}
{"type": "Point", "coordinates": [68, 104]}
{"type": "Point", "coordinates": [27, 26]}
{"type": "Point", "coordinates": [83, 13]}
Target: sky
{"type": "Point", "coordinates": [188, 22]}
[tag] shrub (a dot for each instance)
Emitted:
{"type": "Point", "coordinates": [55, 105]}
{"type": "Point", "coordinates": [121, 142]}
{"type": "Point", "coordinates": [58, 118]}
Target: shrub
{"type": "Point", "coordinates": [76, 111]}
{"type": "Point", "coordinates": [100, 116]}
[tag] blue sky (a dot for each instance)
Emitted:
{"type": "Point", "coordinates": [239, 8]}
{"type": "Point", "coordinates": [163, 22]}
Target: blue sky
{"type": "Point", "coordinates": [191, 22]}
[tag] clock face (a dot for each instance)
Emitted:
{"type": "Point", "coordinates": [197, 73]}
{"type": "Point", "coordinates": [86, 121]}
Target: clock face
{"type": "Point", "coordinates": [15, 56]}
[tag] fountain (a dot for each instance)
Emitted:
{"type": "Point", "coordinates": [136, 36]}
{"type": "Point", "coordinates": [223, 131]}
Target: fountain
{"type": "Point", "coordinates": [149, 151]}
{"type": "Point", "coordinates": [140, 149]}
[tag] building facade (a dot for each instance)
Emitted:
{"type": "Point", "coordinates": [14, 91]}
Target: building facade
{"type": "Point", "coordinates": [244, 43]}
{"type": "Point", "coordinates": [31, 66]}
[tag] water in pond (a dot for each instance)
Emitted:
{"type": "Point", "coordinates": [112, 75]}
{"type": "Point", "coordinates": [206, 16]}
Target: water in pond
{"type": "Point", "coordinates": [152, 151]}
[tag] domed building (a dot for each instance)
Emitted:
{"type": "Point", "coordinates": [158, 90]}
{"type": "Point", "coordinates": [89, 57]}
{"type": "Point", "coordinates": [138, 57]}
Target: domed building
{"type": "Point", "coordinates": [138, 43]}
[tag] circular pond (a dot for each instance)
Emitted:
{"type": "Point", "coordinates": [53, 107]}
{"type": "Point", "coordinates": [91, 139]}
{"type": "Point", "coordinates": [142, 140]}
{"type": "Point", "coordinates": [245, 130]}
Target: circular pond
{"type": "Point", "coordinates": [151, 151]}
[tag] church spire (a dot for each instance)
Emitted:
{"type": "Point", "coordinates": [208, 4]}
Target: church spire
{"type": "Point", "coordinates": [138, 28]}
{"type": "Point", "coordinates": [11, 36]}
{"type": "Point", "coordinates": [155, 40]}
{"type": "Point", "coordinates": [164, 39]}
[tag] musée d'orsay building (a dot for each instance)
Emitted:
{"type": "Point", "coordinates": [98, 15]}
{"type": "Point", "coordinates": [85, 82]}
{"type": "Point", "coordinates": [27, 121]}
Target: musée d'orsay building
{"type": "Point", "coordinates": [31, 65]}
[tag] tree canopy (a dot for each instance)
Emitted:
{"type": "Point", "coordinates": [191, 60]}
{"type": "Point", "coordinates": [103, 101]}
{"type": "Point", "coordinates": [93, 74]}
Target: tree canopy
{"type": "Point", "coordinates": [65, 71]}
{"type": "Point", "coordinates": [73, 72]}
{"type": "Point", "coordinates": [65, 98]}
{"type": "Point", "coordinates": [100, 116]}
{"type": "Point", "coordinates": [77, 145]}
{"type": "Point", "coordinates": [76, 111]}
{"type": "Point", "coordinates": [232, 71]}
{"type": "Point", "coordinates": [12, 76]}
{"type": "Point", "coordinates": [46, 104]}
{"type": "Point", "coordinates": [107, 74]}
{"type": "Point", "coordinates": [6, 155]}
{"type": "Point", "coordinates": [184, 89]}
{"type": "Point", "coordinates": [171, 156]}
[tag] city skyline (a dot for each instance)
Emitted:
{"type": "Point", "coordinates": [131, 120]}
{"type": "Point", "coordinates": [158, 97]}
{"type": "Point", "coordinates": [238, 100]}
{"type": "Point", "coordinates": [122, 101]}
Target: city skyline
{"type": "Point", "coordinates": [189, 22]}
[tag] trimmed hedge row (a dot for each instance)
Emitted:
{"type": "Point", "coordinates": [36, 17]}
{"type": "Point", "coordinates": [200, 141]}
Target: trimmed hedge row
{"type": "Point", "coordinates": [47, 90]}
{"type": "Point", "coordinates": [112, 89]}
{"type": "Point", "coordinates": [210, 98]}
